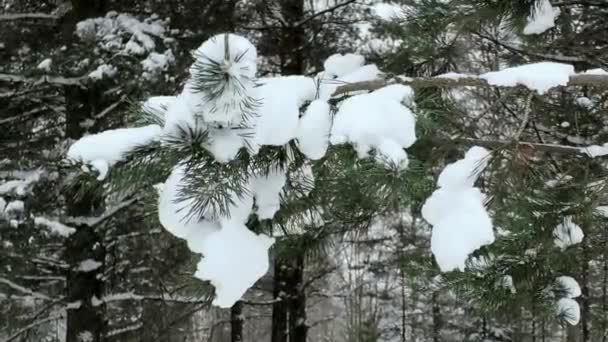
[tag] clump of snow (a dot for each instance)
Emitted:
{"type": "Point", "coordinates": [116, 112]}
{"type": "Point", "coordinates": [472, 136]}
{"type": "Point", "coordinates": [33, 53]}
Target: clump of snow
{"type": "Point", "coordinates": [387, 11]}
{"type": "Point", "coordinates": [570, 286]}
{"type": "Point", "coordinates": [21, 186]}
{"type": "Point", "coordinates": [103, 71]}
{"type": "Point", "coordinates": [567, 233]}
{"type": "Point", "coordinates": [278, 114]}
{"type": "Point", "coordinates": [158, 105]}
{"type": "Point", "coordinates": [584, 101]}
{"type": "Point", "coordinates": [537, 76]}
{"type": "Point", "coordinates": [389, 130]}
{"type": "Point", "coordinates": [109, 30]}
{"type": "Point", "coordinates": [569, 310]}
{"type": "Point", "coordinates": [2, 206]}
{"type": "Point", "coordinates": [461, 223]}
{"type": "Point", "coordinates": [234, 272]}
{"type": "Point", "coordinates": [267, 192]}
{"type": "Point", "coordinates": [88, 265]}
{"type": "Point", "coordinates": [338, 65]}
{"type": "Point", "coordinates": [602, 210]}
{"type": "Point", "coordinates": [595, 150]}
{"type": "Point", "coordinates": [104, 149]}
{"type": "Point", "coordinates": [45, 65]}
{"type": "Point", "coordinates": [542, 18]}
{"type": "Point", "coordinates": [600, 72]}
{"type": "Point", "coordinates": [197, 109]}
{"type": "Point", "coordinates": [14, 207]}
{"type": "Point", "coordinates": [55, 227]}
{"type": "Point", "coordinates": [156, 63]}
{"type": "Point", "coordinates": [350, 72]}
{"type": "Point", "coordinates": [313, 130]}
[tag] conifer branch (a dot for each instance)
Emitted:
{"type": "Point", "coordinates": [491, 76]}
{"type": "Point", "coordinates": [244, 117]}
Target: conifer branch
{"type": "Point", "coordinates": [444, 82]}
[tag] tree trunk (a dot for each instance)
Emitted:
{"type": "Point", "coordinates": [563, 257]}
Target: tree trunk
{"type": "Point", "coordinates": [86, 323]}
{"type": "Point", "coordinates": [279, 307]}
{"type": "Point", "coordinates": [84, 251]}
{"type": "Point", "coordinates": [437, 319]}
{"type": "Point", "coordinates": [298, 328]}
{"type": "Point", "coordinates": [236, 322]}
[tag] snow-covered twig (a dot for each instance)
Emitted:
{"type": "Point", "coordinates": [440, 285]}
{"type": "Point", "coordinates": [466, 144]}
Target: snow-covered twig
{"type": "Point", "coordinates": [22, 289]}
{"type": "Point", "coordinates": [22, 16]}
{"type": "Point", "coordinates": [524, 122]}
{"type": "Point", "coordinates": [45, 79]}
{"type": "Point", "coordinates": [467, 81]}
{"type": "Point", "coordinates": [31, 326]}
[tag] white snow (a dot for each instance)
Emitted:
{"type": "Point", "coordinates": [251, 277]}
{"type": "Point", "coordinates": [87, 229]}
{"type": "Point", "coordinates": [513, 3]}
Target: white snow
{"type": "Point", "coordinates": [21, 186]}
{"type": "Point", "coordinates": [225, 143]}
{"type": "Point", "coordinates": [173, 214]}
{"type": "Point", "coordinates": [595, 150]}
{"type": "Point", "coordinates": [89, 265]}
{"type": "Point", "coordinates": [55, 227]}
{"type": "Point", "coordinates": [455, 76]}
{"type": "Point", "coordinates": [600, 72]}
{"type": "Point", "coordinates": [338, 65]}
{"type": "Point", "coordinates": [461, 223]}
{"type": "Point", "coordinates": [377, 120]}
{"type": "Point", "coordinates": [105, 149]}
{"type": "Point", "coordinates": [602, 210]}
{"type": "Point", "coordinates": [313, 130]}
{"type": "Point", "coordinates": [267, 192]}
{"type": "Point", "coordinates": [388, 11]}
{"type": "Point", "coordinates": [156, 63]}
{"type": "Point", "coordinates": [103, 71]}
{"type": "Point", "coordinates": [158, 105]}
{"type": "Point", "coordinates": [45, 65]}
{"type": "Point", "coordinates": [542, 18]}
{"type": "Point", "coordinates": [570, 286]}
{"type": "Point", "coordinates": [569, 309]}
{"type": "Point", "coordinates": [567, 233]}
{"type": "Point", "coordinates": [328, 84]}
{"type": "Point", "coordinates": [110, 29]}
{"type": "Point", "coordinates": [233, 272]}
{"type": "Point", "coordinates": [14, 207]}
{"type": "Point", "coordinates": [464, 173]}
{"type": "Point", "coordinates": [537, 76]}
{"type": "Point", "coordinates": [278, 115]}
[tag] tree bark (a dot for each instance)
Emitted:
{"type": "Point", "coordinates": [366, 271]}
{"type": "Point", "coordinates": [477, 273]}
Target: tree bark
{"type": "Point", "coordinates": [236, 322]}
{"type": "Point", "coordinates": [85, 247]}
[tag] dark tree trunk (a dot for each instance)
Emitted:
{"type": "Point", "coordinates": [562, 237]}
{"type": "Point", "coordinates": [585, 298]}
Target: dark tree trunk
{"type": "Point", "coordinates": [279, 308]}
{"type": "Point", "coordinates": [236, 322]}
{"type": "Point", "coordinates": [85, 246]}
{"type": "Point", "coordinates": [289, 314]}
{"type": "Point", "coordinates": [437, 319]}
{"type": "Point", "coordinates": [84, 286]}
{"type": "Point", "coordinates": [298, 329]}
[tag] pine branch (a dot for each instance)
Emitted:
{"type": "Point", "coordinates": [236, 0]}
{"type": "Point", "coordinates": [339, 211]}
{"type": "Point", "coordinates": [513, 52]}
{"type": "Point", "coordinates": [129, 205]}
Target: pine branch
{"type": "Point", "coordinates": [45, 79]}
{"type": "Point", "coordinates": [441, 82]}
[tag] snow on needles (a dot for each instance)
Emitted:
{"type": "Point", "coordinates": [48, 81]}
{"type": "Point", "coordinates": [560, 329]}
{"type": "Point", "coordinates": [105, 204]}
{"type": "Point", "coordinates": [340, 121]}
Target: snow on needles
{"type": "Point", "coordinates": [461, 223]}
{"type": "Point", "coordinates": [542, 18]}
{"type": "Point", "coordinates": [567, 233]}
{"type": "Point", "coordinates": [537, 76]}
{"type": "Point", "coordinates": [233, 272]}
{"type": "Point", "coordinates": [104, 149]}
{"type": "Point", "coordinates": [379, 121]}
{"type": "Point", "coordinates": [238, 111]}
{"type": "Point", "coordinates": [567, 308]}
